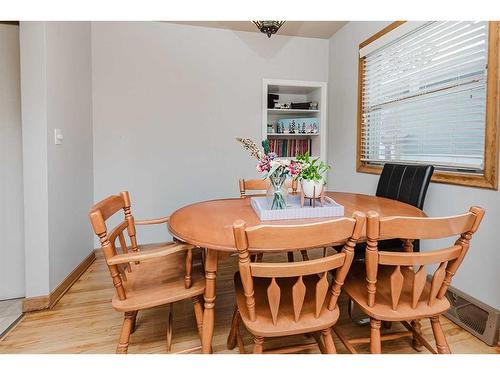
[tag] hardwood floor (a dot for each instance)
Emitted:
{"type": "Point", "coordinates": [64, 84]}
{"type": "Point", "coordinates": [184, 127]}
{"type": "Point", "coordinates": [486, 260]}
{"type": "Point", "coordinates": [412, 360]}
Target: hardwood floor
{"type": "Point", "coordinates": [83, 321]}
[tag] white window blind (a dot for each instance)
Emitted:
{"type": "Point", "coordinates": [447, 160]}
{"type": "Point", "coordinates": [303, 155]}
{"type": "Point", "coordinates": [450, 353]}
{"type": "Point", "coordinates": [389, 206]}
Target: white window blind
{"type": "Point", "coordinates": [424, 97]}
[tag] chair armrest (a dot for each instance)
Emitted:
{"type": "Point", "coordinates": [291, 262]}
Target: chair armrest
{"type": "Point", "coordinates": [148, 254]}
{"type": "Point", "coordinates": [160, 220]}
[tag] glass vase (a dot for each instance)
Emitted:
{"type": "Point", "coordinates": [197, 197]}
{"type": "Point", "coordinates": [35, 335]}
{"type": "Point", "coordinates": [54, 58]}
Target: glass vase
{"type": "Point", "coordinates": [277, 193]}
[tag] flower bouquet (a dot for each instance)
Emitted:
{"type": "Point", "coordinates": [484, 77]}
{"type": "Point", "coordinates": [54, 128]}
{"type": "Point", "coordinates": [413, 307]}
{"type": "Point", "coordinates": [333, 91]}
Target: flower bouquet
{"type": "Point", "coordinates": [276, 169]}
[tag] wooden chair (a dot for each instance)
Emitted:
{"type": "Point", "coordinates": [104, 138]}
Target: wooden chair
{"type": "Point", "coordinates": [393, 286]}
{"type": "Point", "coordinates": [294, 301]}
{"type": "Point", "coordinates": [261, 185]}
{"type": "Point", "coordinates": [149, 275]}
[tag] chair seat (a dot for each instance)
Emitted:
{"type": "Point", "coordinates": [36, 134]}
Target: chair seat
{"type": "Point", "coordinates": [285, 325]}
{"type": "Point", "coordinates": [355, 287]}
{"type": "Point", "coordinates": [160, 281]}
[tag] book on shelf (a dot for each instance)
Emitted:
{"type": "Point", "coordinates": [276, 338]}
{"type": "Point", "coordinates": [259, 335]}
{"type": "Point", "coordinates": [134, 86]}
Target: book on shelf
{"type": "Point", "coordinates": [290, 147]}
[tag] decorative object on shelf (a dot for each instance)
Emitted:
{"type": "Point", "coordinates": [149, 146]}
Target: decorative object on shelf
{"type": "Point", "coordinates": [314, 106]}
{"type": "Point", "coordinates": [272, 100]}
{"type": "Point", "coordinates": [306, 105]}
{"type": "Point", "coordinates": [298, 125]}
{"type": "Point", "coordinates": [270, 128]}
{"type": "Point", "coordinates": [312, 179]}
{"type": "Point", "coordinates": [281, 106]}
{"type": "Point", "coordinates": [268, 27]}
{"type": "Point", "coordinates": [277, 170]}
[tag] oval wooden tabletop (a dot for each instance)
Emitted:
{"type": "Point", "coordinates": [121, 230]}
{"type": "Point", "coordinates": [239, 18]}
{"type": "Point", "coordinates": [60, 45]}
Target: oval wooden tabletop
{"type": "Point", "coordinates": [209, 224]}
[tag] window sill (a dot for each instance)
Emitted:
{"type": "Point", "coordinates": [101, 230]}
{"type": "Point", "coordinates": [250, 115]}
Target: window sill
{"type": "Point", "coordinates": [462, 179]}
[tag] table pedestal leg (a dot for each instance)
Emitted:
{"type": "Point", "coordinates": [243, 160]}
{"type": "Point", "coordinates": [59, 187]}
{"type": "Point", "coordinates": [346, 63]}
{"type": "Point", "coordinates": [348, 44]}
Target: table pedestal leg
{"type": "Point", "coordinates": [208, 314]}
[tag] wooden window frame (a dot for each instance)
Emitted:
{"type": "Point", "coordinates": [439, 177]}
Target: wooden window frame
{"type": "Point", "coordinates": [489, 180]}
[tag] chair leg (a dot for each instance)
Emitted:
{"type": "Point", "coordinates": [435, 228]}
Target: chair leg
{"type": "Point", "coordinates": [134, 321]}
{"type": "Point", "coordinates": [305, 257]}
{"type": "Point", "coordinates": [290, 256]}
{"type": "Point", "coordinates": [189, 267]}
{"type": "Point", "coordinates": [415, 343]}
{"type": "Point", "coordinates": [319, 341]}
{"type": "Point", "coordinates": [328, 341]}
{"type": "Point", "coordinates": [128, 319]}
{"type": "Point", "coordinates": [375, 342]}
{"type": "Point", "coordinates": [231, 338]}
{"type": "Point", "coordinates": [257, 344]}
{"type": "Point", "coordinates": [169, 327]}
{"type": "Point", "coordinates": [437, 330]}
{"type": "Point", "coordinates": [198, 313]}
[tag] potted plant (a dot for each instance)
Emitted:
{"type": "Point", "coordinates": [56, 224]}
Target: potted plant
{"type": "Point", "coordinates": [311, 175]}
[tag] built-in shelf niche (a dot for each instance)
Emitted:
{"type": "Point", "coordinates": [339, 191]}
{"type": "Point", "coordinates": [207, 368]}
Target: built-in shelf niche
{"type": "Point", "coordinates": [296, 92]}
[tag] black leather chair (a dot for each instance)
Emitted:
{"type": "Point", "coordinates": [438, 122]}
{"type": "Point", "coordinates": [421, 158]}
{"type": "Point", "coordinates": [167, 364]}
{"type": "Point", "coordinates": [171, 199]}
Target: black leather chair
{"type": "Point", "coordinates": [404, 183]}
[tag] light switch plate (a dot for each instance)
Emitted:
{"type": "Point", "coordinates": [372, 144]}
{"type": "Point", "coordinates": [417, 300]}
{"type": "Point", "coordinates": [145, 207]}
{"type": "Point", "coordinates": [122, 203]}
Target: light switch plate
{"type": "Point", "coordinates": [58, 136]}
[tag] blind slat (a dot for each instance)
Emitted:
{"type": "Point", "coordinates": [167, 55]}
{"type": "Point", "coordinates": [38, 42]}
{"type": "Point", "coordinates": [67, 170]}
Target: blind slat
{"type": "Point", "coordinates": [424, 97]}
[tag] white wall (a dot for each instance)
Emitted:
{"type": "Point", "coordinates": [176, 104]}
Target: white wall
{"type": "Point", "coordinates": [478, 274]}
{"type": "Point", "coordinates": [34, 134]}
{"type": "Point", "coordinates": [56, 93]}
{"type": "Point", "coordinates": [11, 167]}
{"type": "Point", "coordinates": [70, 174]}
{"type": "Point", "coordinates": [169, 101]}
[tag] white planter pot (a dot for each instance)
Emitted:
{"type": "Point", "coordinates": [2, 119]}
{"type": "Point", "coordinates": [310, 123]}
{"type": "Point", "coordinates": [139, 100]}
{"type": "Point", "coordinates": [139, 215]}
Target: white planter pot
{"type": "Point", "coordinates": [312, 189]}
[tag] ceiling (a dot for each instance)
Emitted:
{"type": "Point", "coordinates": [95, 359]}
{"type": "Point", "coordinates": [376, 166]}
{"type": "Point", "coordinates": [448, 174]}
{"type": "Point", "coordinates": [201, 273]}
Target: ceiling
{"type": "Point", "coordinates": [309, 29]}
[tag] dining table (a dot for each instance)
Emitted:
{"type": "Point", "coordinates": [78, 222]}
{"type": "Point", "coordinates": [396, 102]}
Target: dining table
{"type": "Point", "coordinates": [209, 225]}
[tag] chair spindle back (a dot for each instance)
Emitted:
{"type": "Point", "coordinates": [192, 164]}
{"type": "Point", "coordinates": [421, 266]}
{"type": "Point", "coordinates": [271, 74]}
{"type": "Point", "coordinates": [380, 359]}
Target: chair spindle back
{"type": "Point", "coordinates": [411, 265]}
{"type": "Point", "coordinates": [284, 237]}
{"type": "Point", "coordinates": [99, 214]}
{"type": "Point", "coordinates": [262, 185]}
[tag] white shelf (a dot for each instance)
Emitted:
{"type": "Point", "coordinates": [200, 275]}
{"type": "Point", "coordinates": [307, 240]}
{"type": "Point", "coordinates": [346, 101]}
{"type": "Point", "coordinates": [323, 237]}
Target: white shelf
{"type": "Point", "coordinates": [291, 135]}
{"type": "Point", "coordinates": [290, 91]}
{"type": "Point", "coordinates": [272, 111]}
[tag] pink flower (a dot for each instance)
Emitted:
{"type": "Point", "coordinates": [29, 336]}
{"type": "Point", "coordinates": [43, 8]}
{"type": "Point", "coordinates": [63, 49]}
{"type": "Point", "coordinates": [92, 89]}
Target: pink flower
{"type": "Point", "coordinates": [295, 168]}
{"type": "Point", "coordinates": [263, 166]}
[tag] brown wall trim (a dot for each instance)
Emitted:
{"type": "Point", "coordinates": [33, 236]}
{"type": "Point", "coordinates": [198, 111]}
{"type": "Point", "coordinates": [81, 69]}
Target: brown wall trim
{"type": "Point", "coordinates": [382, 32]}
{"type": "Point", "coordinates": [15, 23]}
{"type": "Point", "coordinates": [48, 301]}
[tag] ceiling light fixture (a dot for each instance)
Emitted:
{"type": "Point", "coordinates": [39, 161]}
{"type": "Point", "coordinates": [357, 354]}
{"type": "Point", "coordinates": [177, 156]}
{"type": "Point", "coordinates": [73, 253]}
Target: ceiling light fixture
{"type": "Point", "coordinates": [268, 27]}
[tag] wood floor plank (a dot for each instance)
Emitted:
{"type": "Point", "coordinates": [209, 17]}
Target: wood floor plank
{"type": "Point", "coordinates": [83, 321]}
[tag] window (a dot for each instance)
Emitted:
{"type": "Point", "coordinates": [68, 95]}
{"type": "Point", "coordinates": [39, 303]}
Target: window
{"type": "Point", "coordinates": [428, 94]}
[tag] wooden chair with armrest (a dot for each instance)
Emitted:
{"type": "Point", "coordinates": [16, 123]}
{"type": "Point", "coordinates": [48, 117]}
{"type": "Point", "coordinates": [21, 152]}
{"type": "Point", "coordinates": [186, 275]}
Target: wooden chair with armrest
{"type": "Point", "coordinates": [147, 275]}
{"type": "Point", "coordinates": [392, 286]}
{"type": "Point", "coordinates": [260, 185]}
{"type": "Point", "coordinates": [285, 299]}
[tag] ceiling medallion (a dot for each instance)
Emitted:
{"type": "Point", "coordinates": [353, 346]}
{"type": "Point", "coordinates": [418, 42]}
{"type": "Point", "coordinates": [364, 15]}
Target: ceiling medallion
{"type": "Point", "coordinates": [268, 27]}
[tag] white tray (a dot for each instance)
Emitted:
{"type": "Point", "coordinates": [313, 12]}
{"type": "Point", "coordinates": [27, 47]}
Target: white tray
{"type": "Point", "coordinates": [294, 211]}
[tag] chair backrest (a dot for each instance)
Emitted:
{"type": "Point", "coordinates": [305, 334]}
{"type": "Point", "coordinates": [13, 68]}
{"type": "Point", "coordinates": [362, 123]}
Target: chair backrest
{"type": "Point", "coordinates": [405, 183]}
{"type": "Point", "coordinates": [286, 237]}
{"type": "Point", "coordinates": [260, 184]}
{"type": "Point", "coordinates": [448, 259]}
{"type": "Point", "coordinates": [98, 214]}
